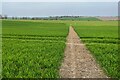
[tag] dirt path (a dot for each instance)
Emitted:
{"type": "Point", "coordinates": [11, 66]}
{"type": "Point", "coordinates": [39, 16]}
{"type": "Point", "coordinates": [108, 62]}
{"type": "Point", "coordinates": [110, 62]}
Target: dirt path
{"type": "Point", "coordinates": [78, 62]}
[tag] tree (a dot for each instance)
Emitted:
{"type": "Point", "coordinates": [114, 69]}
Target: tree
{"type": "Point", "coordinates": [5, 16]}
{"type": "Point", "coordinates": [0, 16]}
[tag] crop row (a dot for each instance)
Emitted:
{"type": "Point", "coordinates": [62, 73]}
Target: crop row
{"type": "Point", "coordinates": [105, 41]}
{"type": "Point", "coordinates": [27, 35]}
{"type": "Point", "coordinates": [36, 38]}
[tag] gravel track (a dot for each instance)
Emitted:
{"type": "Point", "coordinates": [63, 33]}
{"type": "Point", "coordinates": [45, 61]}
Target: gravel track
{"type": "Point", "coordinates": [78, 62]}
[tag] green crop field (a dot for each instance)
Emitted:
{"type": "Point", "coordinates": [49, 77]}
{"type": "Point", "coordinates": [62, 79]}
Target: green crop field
{"type": "Point", "coordinates": [32, 49]}
{"type": "Point", "coordinates": [101, 38]}
{"type": "Point", "coordinates": [35, 48]}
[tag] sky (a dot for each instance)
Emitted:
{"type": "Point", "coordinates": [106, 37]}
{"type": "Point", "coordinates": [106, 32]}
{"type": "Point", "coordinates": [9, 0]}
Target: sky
{"type": "Point", "coordinates": [60, 0]}
{"type": "Point", "coordinates": [42, 9]}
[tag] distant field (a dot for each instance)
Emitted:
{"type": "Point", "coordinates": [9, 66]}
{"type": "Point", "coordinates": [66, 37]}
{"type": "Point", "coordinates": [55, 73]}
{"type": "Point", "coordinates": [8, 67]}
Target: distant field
{"type": "Point", "coordinates": [81, 19]}
{"type": "Point", "coordinates": [101, 38]}
{"type": "Point", "coordinates": [105, 18]}
{"type": "Point", "coordinates": [34, 48]}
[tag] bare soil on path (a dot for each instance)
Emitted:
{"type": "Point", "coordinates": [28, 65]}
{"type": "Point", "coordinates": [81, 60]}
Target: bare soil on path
{"type": "Point", "coordinates": [78, 62]}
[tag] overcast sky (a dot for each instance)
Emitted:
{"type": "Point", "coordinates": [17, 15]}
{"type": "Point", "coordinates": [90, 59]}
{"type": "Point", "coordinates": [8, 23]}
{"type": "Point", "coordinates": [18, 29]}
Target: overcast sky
{"type": "Point", "coordinates": [60, 8]}
{"type": "Point", "coordinates": [60, 0]}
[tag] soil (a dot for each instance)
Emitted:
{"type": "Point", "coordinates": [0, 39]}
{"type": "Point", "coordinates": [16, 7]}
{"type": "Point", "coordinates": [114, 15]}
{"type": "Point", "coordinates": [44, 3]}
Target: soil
{"type": "Point", "coordinates": [78, 62]}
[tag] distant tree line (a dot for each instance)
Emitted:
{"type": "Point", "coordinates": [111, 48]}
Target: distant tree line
{"type": "Point", "coordinates": [38, 18]}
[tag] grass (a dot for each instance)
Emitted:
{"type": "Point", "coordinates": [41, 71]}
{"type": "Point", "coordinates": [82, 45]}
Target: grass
{"type": "Point", "coordinates": [0, 49]}
{"type": "Point", "coordinates": [101, 38]}
{"type": "Point", "coordinates": [32, 49]}
{"type": "Point", "coordinates": [31, 59]}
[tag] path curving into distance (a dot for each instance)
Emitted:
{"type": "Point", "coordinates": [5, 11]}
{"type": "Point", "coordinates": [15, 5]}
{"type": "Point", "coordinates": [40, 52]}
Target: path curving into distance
{"type": "Point", "coordinates": [78, 62]}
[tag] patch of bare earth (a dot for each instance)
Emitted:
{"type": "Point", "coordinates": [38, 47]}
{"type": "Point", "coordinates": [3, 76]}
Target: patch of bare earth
{"type": "Point", "coordinates": [78, 62]}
